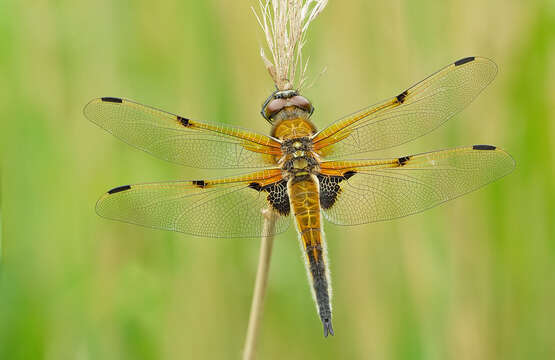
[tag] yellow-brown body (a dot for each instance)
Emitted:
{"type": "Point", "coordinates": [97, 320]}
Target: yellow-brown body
{"type": "Point", "coordinates": [300, 167]}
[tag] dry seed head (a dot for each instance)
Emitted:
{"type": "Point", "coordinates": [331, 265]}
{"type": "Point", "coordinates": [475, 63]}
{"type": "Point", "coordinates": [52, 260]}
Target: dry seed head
{"type": "Point", "coordinates": [285, 24]}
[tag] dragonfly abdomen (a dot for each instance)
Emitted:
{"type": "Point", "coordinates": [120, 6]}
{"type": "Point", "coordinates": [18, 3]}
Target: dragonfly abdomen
{"type": "Point", "coordinates": [305, 204]}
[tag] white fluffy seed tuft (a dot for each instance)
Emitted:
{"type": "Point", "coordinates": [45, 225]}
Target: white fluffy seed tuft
{"type": "Point", "coordinates": [285, 24]}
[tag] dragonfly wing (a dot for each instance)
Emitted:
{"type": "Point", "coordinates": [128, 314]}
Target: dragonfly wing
{"type": "Point", "coordinates": [228, 208]}
{"type": "Point", "coordinates": [413, 113]}
{"type": "Point", "coordinates": [181, 140]}
{"type": "Point", "coordinates": [358, 192]}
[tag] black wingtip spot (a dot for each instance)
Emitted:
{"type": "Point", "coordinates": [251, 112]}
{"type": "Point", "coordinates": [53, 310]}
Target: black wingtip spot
{"type": "Point", "coordinates": [328, 329]}
{"type": "Point", "coordinates": [349, 174]}
{"type": "Point", "coordinates": [464, 60]}
{"type": "Point", "coordinates": [483, 147]}
{"type": "Point", "coordinates": [112, 100]}
{"type": "Point", "coordinates": [401, 97]}
{"type": "Point", "coordinates": [183, 121]}
{"type": "Point", "coordinates": [119, 189]}
{"type": "Point", "coordinates": [199, 183]}
{"type": "Point", "coordinates": [403, 160]}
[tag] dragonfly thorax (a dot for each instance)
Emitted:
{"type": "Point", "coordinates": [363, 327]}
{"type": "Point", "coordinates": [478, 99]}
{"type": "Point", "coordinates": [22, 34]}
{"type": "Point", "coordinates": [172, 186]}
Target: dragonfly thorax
{"type": "Point", "coordinates": [292, 146]}
{"type": "Point", "coordinates": [298, 157]}
{"type": "Point", "coordinates": [304, 164]}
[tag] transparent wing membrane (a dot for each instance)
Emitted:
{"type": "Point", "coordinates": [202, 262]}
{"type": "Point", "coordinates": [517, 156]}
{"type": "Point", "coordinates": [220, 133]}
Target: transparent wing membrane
{"type": "Point", "coordinates": [180, 140]}
{"type": "Point", "coordinates": [351, 192]}
{"type": "Point", "coordinates": [379, 190]}
{"type": "Point", "coordinates": [413, 113]}
{"type": "Point", "coordinates": [209, 208]}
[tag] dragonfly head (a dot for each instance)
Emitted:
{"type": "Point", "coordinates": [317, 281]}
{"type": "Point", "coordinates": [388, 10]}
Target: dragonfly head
{"type": "Point", "coordinates": [282, 99]}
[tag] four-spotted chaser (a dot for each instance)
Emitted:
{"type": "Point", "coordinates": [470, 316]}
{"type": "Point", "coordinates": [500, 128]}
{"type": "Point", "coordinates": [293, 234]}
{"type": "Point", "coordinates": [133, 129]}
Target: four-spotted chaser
{"type": "Point", "coordinates": [301, 171]}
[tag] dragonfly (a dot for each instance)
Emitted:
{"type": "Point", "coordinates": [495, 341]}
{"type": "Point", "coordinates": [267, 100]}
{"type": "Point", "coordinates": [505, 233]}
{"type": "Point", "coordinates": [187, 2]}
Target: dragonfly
{"type": "Point", "coordinates": [299, 172]}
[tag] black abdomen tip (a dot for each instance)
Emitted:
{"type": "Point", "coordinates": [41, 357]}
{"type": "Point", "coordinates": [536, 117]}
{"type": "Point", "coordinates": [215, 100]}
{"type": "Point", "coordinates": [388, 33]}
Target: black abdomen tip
{"type": "Point", "coordinates": [112, 100]}
{"type": "Point", "coordinates": [464, 60]}
{"type": "Point", "coordinates": [328, 329]}
{"type": "Point", "coordinates": [483, 147]}
{"type": "Point", "coordinates": [119, 189]}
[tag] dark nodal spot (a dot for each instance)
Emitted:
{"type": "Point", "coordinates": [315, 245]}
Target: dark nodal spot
{"type": "Point", "coordinates": [183, 121]}
{"type": "Point", "coordinates": [483, 147]}
{"type": "Point", "coordinates": [464, 60]}
{"type": "Point", "coordinates": [112, 100]}
{"type": "Point", "coordinates": [199, 183]}
{"type": "Point", "coordinates": [255, 186]}
{"type": "Point", "coordinates": [401, 97]}
{"type": "Point", "coordinates": [119, 189]}
{"type": "Point", "coordinates": [348, 174]}
{"type": "Point", "coordinates": [403, 160]}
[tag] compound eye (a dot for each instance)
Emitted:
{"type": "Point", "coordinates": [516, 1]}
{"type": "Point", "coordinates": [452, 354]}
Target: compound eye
{"type": "Point", "coordinates": [302, 103]}
{"type": "Point", "coordinates": [274, 107]}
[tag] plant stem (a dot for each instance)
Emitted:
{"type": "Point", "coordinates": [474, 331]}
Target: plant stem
{"type": "Point", "coordinates": [257, 305]}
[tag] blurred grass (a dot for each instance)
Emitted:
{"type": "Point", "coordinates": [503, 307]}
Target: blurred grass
{"type": "Point", "coordinates": [472, 279]}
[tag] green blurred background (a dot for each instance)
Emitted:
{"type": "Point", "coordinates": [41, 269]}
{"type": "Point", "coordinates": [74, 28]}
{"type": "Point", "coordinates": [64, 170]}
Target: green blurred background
{"type": "Point", "coordinates": [472, 279]}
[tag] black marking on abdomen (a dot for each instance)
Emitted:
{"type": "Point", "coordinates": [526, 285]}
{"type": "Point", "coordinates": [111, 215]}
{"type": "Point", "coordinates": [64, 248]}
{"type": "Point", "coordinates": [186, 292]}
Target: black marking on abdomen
{"type": "Point", "coordinates": [483, 147]}
{"type": "Point", "coordinates": [401, 97]}
{"type": "Point", "coordinates": [200, 183]}
{"type": "Point", "coordinates": [464, 60]}
{"type": "Point", "coordinates": [118, 189]}
{"type": "Point", "coordinates": [277, 195]}
{"type": "Point", "coordinates": [112, 100]}
{"type": "Point", "coordinates": [183, 121]}
{"type": "Point", "coordinates": [403, 160]}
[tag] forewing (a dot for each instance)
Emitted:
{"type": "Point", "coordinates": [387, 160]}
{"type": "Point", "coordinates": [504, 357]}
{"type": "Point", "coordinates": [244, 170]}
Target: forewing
{"type": "Point", "coordinates": [413, 113]}
{"type": "Point", "coordinates": [228, 208]}
{"type": "Point", "coordinates": [181, 140]}
{"type": "Point", "coordinates": [359, 192]}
